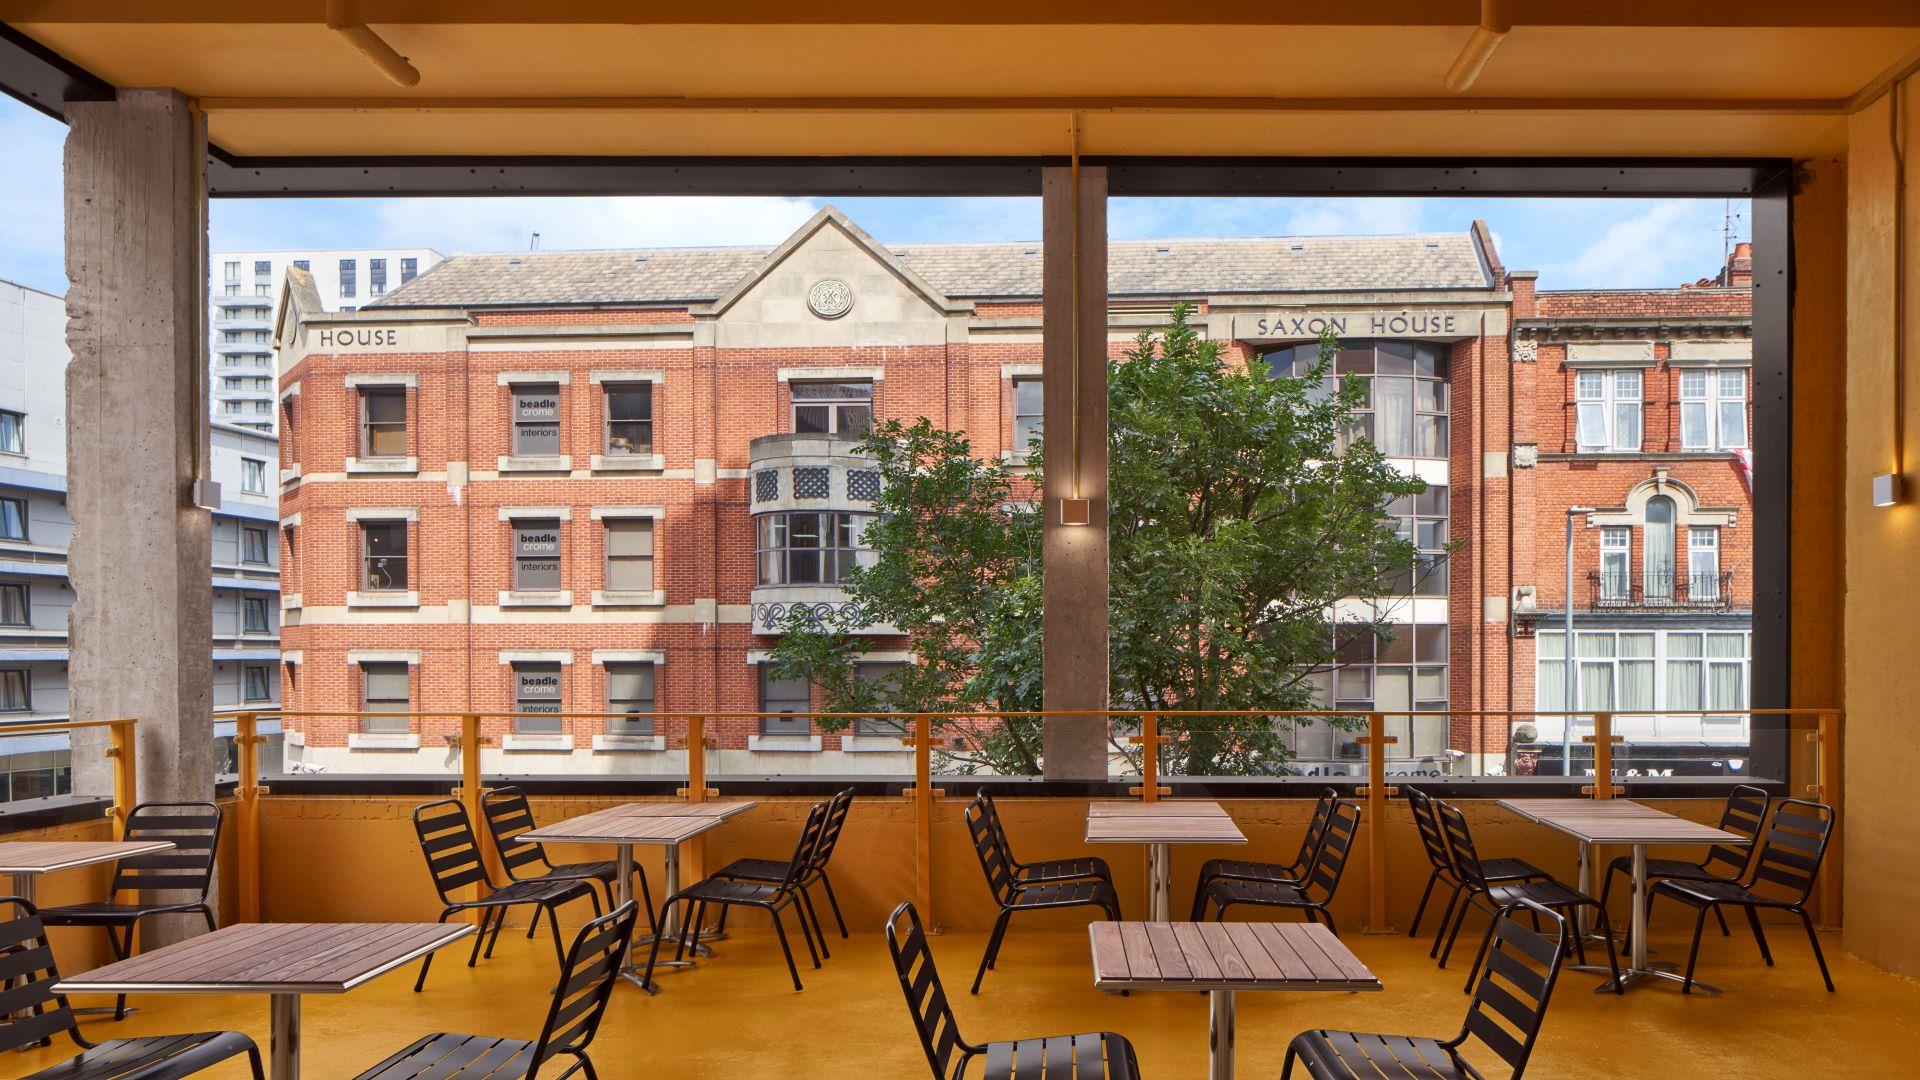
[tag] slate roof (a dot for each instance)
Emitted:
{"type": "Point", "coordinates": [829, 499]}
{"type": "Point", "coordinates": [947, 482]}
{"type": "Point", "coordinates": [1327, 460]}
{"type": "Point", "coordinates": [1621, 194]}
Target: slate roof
{"type": "Point", "coordinates": [968, 271]}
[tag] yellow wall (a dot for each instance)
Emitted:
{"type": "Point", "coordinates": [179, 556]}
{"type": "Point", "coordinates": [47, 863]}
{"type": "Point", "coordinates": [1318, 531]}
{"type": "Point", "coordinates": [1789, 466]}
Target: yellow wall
{"type": "Point", "coordinates": [1882, 637]}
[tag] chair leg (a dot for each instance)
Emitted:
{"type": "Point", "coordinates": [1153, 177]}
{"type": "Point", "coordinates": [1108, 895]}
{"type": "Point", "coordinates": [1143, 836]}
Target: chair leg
{"type": "Point", "coordinates": [1480, 954]}
{"type": "Point", "coordinates": [1721, 916]}
{"type": "Point", "coordinates": [1814, 940]}
{"type": "Point", "coordinates": [1328, 915]}
{"type": "Point", "coordinates": [1613, 957]}
{"type": "Point", "coordinates": [992, 949]}
{"type": "Point", "coordinates": [122, 947]}
{"type": "Point", "coordinates": [500, 922]}
{"type": "Point", "coordinates": [253, 1060]}
{"type": "Point", "coordinates": [1446, 916]}
{"type": "Point", "coordinates": [1759, 935]}
{"type": "Point", "coordinates": [1459, 920]}
{"type": "Point", "coordinates": [427, 960]}
{"type": "Point", "coordinates": [810, 913]}
{"type": "Point", "coordinates": [653, 953]}
{"type": "Point", "coordinates": [833, 903]}
{"type": "Point", "coordinates": [1286, 1070]}
{"type": "Point", "coordinates": [1199, 900]}
{"type": "Point", "coordinates": [1425, 895]}
{"type": "Point", "coordinates": [553, 921]}
{"type": "Point", "coordinates": [1693, 954]}
{"type": "Point", "coordinates": [646, 899]}
{"type": "Point", "coordinates": [207, 914]}
{"type": "Point", "coordinates": [801, 917]}
{"type": "Point", "coordinates": [786, 949]}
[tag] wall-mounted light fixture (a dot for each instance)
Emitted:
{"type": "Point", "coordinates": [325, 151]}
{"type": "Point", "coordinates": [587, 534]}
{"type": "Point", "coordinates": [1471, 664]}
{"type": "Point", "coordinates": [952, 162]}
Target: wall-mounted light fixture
{"type": "Point", "coordinates": [1076, 511]}
{"type": "Point", "coordinates": [1886, 489]}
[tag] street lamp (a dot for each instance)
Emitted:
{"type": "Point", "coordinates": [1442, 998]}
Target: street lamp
{"type": "Point", "coordinates": [1568, 670]}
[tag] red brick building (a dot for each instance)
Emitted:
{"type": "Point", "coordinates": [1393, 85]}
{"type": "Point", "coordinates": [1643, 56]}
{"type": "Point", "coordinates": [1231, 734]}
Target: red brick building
{"type": "Point", "coordinates": [596, 481]}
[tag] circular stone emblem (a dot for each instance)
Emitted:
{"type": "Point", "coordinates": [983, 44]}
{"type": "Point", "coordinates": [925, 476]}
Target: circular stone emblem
{"type": "Point", "coordinates": [830, 299]}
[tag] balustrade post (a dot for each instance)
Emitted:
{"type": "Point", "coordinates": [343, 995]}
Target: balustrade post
{"type": "Point", "coordinates": [1376, 740]}
{"type": "Point", "coordinates": [1149, 741]}
{"type": "Point", "coordinates": [1827, 745]}
{"type": "Point", "coordinates": [1602, 739]}
{"type": "Point", "coordinates": [120, 737]}
{"type": "Point", "coordinates": [473, 796]}
{"type": "Point", "coordinates": [923, 795]}
{"type": "Point", "coordinates": [247, 792]}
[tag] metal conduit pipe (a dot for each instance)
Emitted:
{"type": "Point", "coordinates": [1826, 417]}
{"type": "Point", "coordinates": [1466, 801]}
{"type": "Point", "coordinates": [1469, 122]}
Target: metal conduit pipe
{"type": "Point", "coordinates": [343, 18]}
{"type": "Point", "coordinates": [1495, 22]}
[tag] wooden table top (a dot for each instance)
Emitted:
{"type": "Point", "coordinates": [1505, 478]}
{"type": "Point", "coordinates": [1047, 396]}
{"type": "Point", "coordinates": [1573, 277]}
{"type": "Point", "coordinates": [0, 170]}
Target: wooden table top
{"type": "Point", "coordinates": [1618, 821]}
{"type": "Point", "coordinates": [271, 958]}
{"type": "Point", "coordinates": [638, 823]}
{"type": "Point", "coordinates": [1224, 956]}
{"type": "Point", "coordinates": [46, 856]}
{"type": "Point", "coordinates": [1194, 822]}
{"type": "Point", "coordinates": [1162, 808]}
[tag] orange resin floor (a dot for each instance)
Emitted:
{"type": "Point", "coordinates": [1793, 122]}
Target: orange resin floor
{"type": "Point", "coordinates": [737, 1015]}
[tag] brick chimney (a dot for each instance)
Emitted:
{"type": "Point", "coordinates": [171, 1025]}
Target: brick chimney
{"type": "Point", "coordinates": [1521, 283]}
{"type": "Point", "coordinates": [1738, 273]}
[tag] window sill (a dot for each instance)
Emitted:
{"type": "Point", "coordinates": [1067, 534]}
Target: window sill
{"type": "Point", "coordinates": [627, 462]}
{"type": "Point", "coordinates": [408, 599]}
{"type": "Point", "coordinates": [531, 599]}
{"type": "Point", "coordinates": [364, 740]}
{"type": "Point", "coordinates": [784, 744]}
{"type": "Point", "coordinates": [290, 601]}
{"type": "Point", "coordinates": [543, 464]}
{"type": "Point", "coordinates": [545, 743]}
{"type": "Point", "coordinates": [875, 744]}
{"type": "Point", "coordinates": [378, 466]}
{"type": "Point", "coordinates": [656, 598]}
{"type": "Point", "coordinates": [290, 476]}
{"type": "Point", "coordinates": [633, 744]}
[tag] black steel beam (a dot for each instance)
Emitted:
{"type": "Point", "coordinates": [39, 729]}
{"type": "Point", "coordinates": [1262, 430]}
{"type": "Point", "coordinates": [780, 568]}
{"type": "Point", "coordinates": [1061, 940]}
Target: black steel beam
{"type": "Point", "coordinates": [1429, 177]}
{"type": "Point", "coordinates": [42, 78]}
{"type": "Point", "coordinates": [1769, 682]}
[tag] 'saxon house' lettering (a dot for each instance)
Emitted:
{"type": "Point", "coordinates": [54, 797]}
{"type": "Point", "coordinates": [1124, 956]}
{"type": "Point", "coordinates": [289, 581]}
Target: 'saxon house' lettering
{"type": "Point", "coordinates": [589, 480]}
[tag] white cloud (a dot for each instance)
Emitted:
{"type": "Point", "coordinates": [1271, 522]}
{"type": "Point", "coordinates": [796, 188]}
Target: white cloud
{"type": "Point", "coordinates": [1665, 242]}
{"type": "Point", "coordinates": [1168, 218]}
{"type": "Point", "coordinates": [498, 224]}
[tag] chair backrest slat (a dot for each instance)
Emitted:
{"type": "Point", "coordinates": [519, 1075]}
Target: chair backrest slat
{"type": "Point", "coordinates": [1343, 823]}
{"type": "Point", "coordinates": [933, 1018]}
{"type": "Point", "coordinates": [1460, 849]}
{"type": "Point", "coordinates": [586, 982]}
{"type": "Point", "coordinates": [1796, 842]}
{"type": "Point", "coordinates": [837, 809]}
{"type": "Point", "coordinates": [998, 826]}
{"type": "Point", "coordinates": [508, 815]}
{"type": "Point", "coordinates": [993, 860]}
{"type": "Point", "coordinates": [29, 1010]}
{"type": "Point", "coordinates": [1745, 813]}
{"type": "Point", "coordinates": [451, 848]}
{"type": "Point", "coordinates": [1510, 1000]}
{"type": "Point", "coordinates": [1432, 840]}
{"type": "Point", "coordinates": [805, 849]}
{"type": "Point", "coordinates": [193, 828]}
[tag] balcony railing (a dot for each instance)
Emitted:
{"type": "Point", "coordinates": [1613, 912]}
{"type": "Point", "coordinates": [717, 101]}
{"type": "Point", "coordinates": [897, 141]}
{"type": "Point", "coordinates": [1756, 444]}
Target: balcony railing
{"type": "Point", "coordinates": [1659, 590]}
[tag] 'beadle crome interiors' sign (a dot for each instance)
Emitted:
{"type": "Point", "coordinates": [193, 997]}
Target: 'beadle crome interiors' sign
{"type": "Point", "coordinates": [1356, 324]}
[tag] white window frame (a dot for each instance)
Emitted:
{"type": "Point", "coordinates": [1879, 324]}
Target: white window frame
{"type": "Point", "coordinates": [253, 476]}
{"type": "Point", "coordinates": [1706, 396]}
{"type": "Point", "coordinates": [1703, 548]}
{"type": "Point", "coordinates": [1603, 399]}
{"type": "Point", "coordinates": [1616, 562]}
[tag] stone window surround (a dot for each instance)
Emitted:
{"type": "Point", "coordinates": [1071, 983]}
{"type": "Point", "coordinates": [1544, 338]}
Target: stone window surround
{"type": "Point", "coordinates": [656, 598]}
{"type": "Point", "coordinates": [849, 742]}
{"type": "Point", "coordinates": [839, 373]}
{"type": "Point", "coordinates": [534, 378]}
{"type": "Point", "coordinates": [631, 743]}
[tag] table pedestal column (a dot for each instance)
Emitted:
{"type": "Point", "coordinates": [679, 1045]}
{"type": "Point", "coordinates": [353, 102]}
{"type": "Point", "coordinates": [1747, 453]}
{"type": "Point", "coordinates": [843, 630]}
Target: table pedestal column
{"type": "Point", "coordinates": [1220, 1035]}
{"type": "Point", "coordinates": [283, 1050]}
{"type": "Point", "coordinates": [1159, 882]}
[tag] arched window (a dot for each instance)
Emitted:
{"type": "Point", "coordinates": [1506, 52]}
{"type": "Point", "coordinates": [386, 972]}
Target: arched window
{"type": "Point", "coordinates": [1658, 580]}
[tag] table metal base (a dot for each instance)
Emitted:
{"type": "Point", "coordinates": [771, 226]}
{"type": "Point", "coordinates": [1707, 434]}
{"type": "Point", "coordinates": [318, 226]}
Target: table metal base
{"type": "Point", "coordinates": [669, 920]}
{"type": "Point", "coordinates": [283, 1051]}
{"type": "Point", "coordinates": [1159, 882]}
{"type": "Point", "coordinates": [1220, 1034]}
{"type": "Point", "coordinates": [1631, 977]}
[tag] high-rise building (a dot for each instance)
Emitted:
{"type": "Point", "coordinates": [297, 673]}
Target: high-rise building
{"type": "Point", "coordinates": [35, 532]}
{"type": "Point", "coordinates": [242, 288]}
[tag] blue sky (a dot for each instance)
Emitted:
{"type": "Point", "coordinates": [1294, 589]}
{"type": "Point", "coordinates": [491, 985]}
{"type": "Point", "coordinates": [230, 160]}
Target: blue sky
{"type": "Point", "coordinates": [1574, 243]}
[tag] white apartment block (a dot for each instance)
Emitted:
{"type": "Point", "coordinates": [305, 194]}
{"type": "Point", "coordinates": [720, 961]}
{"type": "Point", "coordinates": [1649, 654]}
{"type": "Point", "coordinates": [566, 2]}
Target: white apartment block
{"type": "Point", "coordinates": [242, 289]}
{"type": "Point", "coordinates": [35, 533]}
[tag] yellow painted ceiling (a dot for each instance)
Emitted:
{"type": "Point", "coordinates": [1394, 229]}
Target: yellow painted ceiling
{"type": "Point", "coordinates": [1574, 76]}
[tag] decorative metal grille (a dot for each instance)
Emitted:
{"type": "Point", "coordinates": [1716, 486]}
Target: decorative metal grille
{"type": "Point", "coordinates": [810, 483]}
{"type": "Point", "coordinates": [766, 485]}
{"type": "Point", "coordinates": [863, 485]}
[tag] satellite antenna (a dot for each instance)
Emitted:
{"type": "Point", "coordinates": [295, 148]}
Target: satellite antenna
{"type": "Point", "coordinates": [534, 244]}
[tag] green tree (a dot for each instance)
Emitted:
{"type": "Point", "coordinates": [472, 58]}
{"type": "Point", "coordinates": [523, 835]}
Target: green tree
{"type": "Point", "coordinates": [1238, 519]}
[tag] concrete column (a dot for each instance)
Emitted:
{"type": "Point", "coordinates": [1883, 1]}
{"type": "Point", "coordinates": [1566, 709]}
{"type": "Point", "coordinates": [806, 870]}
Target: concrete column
{"type": "Point", "coordinates": [1074, 557]}
{"type": "Point", "coordinates": [141, 628]}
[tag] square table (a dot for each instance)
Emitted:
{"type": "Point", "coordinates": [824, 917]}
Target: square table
{"type": "Point", "coordinates": [665, 825]}
{"type": "Point", "coordinates": [1222, 958]}
{"type": "Point", "coordinates": [284, 960]}
{"type": "Point", "coordinates": [27, 859]}
{"type": "Point", "coordinates": [1159, 825]}
{"type": "Point", "coordinates": [1622, 821]}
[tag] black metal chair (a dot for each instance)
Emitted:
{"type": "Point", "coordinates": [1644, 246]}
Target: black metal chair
{"type": "Point", "coordinates": [194, 830]}
{"type": "Point", "coordinates": [1434, 842]}
{"type": "Point", "coordinates": [453, 859]}
{"type": "Point", "coordinates": [509, 815]}
{"type": "Point", "coordinates": [1313, 894]}
{"type": "Point", "coordinates": [1504, 1019]}
{"type": "Point", "coordinates": [1492, 897]}
{"type": "Point", "coordinates": [587, 974]}
{"type": "Point", "coordinates": [1046, 870]}
{"type": "Point", "coordinates": [1059, 1057]}
{"type": "Point", "coordinates": [1745, 813]}
{"type": "Point", "coordinates": [33, 1014]}
{"type": "Point", "coordinates": [1290, 873]}
{"type": "Point", "coordinates": [770, 897]}
{"type": "Point", "coordinates": [1014, 895]}
{"type": "Point", "coordinates": [773, 871]}
{"type": "Point", "coordinates": [1786, 870]}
